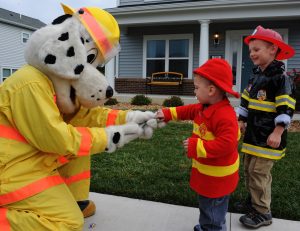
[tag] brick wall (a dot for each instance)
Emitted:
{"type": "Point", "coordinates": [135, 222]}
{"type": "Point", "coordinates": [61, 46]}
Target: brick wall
{"type": "Point", "coordinates": [138, 86]}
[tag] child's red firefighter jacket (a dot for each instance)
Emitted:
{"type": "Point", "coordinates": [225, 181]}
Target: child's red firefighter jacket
{"type": "Point", "coordinates": [213, 146]}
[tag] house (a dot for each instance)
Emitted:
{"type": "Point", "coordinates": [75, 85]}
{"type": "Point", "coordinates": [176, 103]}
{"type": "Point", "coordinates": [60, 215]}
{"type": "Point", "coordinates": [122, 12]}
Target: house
{"type": "Point", "coordinates": [15, 31]}
{"type": "Point", "coordinates": [178, 35]}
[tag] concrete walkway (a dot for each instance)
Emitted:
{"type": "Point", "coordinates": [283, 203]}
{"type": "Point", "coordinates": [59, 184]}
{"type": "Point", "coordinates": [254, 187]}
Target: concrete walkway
{"type": "Point", "coordinates": [126, 214]}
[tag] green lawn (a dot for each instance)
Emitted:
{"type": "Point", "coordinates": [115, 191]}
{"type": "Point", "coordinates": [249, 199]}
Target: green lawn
{"type": "Point", "coordinates": [157, 170]}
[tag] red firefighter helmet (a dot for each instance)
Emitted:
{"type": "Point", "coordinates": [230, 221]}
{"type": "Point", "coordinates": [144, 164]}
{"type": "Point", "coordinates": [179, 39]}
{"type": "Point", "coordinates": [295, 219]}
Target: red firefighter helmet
{"type": "Point", "coordinates": [274, 37]}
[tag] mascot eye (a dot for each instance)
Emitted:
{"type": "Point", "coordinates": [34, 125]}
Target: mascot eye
{"type": "Point", "coordinates": [82, 40]}
{"type": "Point", "coordinates": [92, 55]}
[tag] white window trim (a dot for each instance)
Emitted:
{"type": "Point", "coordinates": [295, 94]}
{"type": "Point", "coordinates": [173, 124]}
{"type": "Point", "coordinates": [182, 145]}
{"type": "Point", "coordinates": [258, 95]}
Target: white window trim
{"type": "Point", "coordinates": [22, 33]}
{"type": "Point", "coordinates": [169, 37]}
{"type": "Point", "coordinates": [228, 50]}
{"type": "Point", "coordinates": [11, 69]}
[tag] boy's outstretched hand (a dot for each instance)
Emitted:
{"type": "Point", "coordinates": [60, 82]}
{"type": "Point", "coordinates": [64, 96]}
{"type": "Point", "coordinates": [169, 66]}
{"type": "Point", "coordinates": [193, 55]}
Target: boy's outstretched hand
{"type": "Point", "coordinates": [160, 115]}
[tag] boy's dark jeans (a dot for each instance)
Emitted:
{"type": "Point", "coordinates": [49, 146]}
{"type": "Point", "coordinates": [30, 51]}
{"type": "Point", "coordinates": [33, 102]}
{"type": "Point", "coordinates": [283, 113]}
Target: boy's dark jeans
{"type": "Point", "coordinates": [213, 213]}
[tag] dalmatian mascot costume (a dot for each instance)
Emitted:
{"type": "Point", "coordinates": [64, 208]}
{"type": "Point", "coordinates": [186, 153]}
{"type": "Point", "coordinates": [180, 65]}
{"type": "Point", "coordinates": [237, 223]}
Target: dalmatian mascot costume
{"type": "Point", "coordinates": [52, 121]}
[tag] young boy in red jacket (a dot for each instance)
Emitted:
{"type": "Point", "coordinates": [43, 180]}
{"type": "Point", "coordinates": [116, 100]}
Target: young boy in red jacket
{"type": "Point", "coordinates": [213, 143]}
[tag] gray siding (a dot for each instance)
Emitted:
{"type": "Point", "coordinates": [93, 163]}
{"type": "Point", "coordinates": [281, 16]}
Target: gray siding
{"type": "Point", "coordinates": [131, 56]}
{"type": "Point", "coordinates": [294, 41]}
{"type": "Point", "coordinates": [11, 46]}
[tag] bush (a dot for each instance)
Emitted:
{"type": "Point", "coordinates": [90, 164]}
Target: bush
{"type": "Point", "coordinates": [174, 101]}
{"type": "Point", "coordinates": [140, 100]}
{"type": "Point", "coordinates": [111, 101]}
{"type": "Point", "coordinates": [295, 74]}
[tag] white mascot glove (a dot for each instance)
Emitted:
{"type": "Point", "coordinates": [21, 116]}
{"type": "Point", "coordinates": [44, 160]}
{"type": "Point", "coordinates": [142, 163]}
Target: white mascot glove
{"type": "Point", "coordinates": [146, 120]}
{"type": "Point", "coordinates": [139, 117]}
{"type": "Point", "coordinates": [117, 136]}
{"type": "Point", "coordinates": [149, 126]}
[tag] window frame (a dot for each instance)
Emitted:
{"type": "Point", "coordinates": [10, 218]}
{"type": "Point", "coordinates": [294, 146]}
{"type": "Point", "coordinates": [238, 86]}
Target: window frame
{"type": "Point", "coordinates": [166, 38]}
{"type": "Point", "coordinates": [22, 37]}
{"type": "Point", "coordinates": [11, 69]}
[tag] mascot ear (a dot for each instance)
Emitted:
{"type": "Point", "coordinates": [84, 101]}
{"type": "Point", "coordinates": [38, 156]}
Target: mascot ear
{"type": "Point", "coordinates": [61, 19]}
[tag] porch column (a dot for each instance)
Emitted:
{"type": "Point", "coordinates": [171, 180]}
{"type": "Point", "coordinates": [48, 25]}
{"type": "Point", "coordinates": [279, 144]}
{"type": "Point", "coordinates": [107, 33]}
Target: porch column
{"type": "Point", "coordinates": [110, 72]}
{"type": "Point", "coordinates": [204, 41]}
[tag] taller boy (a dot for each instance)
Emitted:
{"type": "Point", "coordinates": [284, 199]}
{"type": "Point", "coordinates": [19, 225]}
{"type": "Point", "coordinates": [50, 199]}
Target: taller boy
{"type": "Point", "coordinates": [267, 106]}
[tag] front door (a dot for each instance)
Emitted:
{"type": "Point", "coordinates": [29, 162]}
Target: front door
{"type": "Point", "coordinates": [247, 66]}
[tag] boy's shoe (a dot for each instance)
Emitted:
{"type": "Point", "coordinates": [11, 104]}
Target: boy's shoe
{"type": "Point", "coordinates": [197, 228]}
{"type": "Point", "coordinates": [87, 207]}
{"type": "Point", "coordinates": [255, 219]}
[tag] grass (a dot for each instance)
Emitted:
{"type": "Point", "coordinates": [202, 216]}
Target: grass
{"type": "Point", "coordinates": [157, 170]}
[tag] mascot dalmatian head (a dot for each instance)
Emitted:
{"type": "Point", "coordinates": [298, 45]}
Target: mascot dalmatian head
{"type": "Point", "coordinates": [70, 50]}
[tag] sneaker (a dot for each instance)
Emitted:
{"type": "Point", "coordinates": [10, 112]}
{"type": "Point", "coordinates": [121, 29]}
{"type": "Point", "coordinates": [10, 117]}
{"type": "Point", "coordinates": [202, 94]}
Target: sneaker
{"type": "Point", "coordinates": [197, 228]}
{"type": "Point", "coordinates": [87, 208]}
{"type": "Point", "coordinates": [255, 219]}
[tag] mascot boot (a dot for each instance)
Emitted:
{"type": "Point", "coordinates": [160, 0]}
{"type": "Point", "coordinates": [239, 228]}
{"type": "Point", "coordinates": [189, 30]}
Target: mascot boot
{"type": "Point", "coordinates": [87, 207]}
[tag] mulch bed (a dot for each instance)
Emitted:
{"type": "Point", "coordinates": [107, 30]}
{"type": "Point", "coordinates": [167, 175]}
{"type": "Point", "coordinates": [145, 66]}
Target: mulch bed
{"type": "Point", "coordinates": [294, 127]}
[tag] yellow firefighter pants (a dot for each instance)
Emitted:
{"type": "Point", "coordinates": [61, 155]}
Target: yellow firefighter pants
{"type": "Point", "coordinates": [258, 180]}
{"type": "Point", "coordinates": [54, 209]}
{"type": "Point", "coordinates": [80, 187]}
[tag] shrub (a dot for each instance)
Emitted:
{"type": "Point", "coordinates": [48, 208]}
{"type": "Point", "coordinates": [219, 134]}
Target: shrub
{"type": "Point", "coordinates": [295, 74]}
{"type": "Point", "coordinates": [111, 101]}
{"type": "Point", "coordinates": [174, 101]}
{"type": "Point", "coordinates": [140, 100]}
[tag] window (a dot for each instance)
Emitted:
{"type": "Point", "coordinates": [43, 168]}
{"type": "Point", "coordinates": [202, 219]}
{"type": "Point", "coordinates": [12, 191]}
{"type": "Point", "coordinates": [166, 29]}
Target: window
{"type": "Point", "coordinates": [25, 37]}
{"type": "Point", "coordinates": [6, 72]}
{"type": "Point", "coordinates": [168, 53]}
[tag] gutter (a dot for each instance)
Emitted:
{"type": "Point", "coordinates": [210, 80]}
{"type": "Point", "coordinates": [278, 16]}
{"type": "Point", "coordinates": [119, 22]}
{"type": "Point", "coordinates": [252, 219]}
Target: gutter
{"type": "Point", "coordinates": [19, 24]}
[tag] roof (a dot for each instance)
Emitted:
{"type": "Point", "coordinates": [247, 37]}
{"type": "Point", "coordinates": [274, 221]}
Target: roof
{"type": "Point", "coordinates": [20, 20]}
{"type": "Point", "coordinates": [160, 3]}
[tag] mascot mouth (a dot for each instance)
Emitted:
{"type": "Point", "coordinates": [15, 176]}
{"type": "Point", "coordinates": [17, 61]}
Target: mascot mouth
{"type": "Point", "coordinates": [73, 95]}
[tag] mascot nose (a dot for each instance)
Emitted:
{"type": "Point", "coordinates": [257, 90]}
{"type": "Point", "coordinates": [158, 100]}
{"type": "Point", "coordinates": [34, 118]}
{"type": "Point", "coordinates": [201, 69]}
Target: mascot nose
{"type": "Point", "coordinates": [109, 92]}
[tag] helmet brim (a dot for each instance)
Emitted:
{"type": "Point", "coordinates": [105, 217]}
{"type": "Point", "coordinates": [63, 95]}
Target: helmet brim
{"type": "Point", "coordinates": [67, 9]}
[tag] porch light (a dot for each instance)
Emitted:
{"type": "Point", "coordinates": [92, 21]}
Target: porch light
{"type": "Point", "coordinates": [216, 39]}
